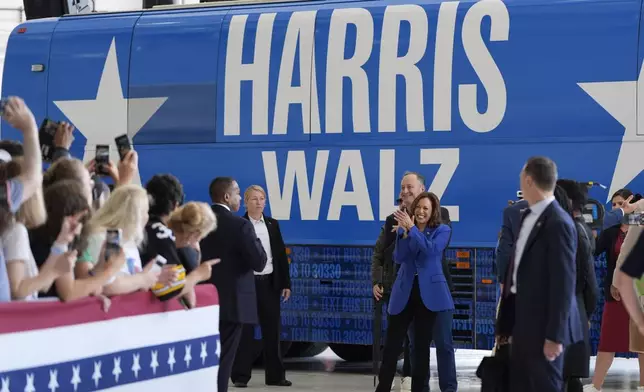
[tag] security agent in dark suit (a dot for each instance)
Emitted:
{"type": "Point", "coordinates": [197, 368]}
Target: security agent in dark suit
{"type": "Point", "coordinates": [413, 184]}
{"type": "Point", "coordinates": [271, 284]}
{"type": "Point", "coordinates": [509, 232]}
{"type": "Point", "coordinates": [241, 253]}
{"type": "Point", "coordinates": [538, 308]}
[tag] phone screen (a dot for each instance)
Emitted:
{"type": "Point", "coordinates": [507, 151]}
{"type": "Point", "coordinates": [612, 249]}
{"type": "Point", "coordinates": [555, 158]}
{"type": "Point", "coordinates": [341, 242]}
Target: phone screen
{"type": "Point", "coordinates": [102, 158]}
{"type": "Point", "coordinates": [112, 243]}
{"type": "Point", "coordinates": [123, 145]}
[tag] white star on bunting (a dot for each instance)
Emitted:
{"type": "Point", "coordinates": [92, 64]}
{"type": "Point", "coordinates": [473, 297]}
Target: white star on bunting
{"type": "Point", "coordinates": [53, 380]}
{"type": "Point", "coordinates": [109, 115]}
{"type": "Point", "coordinates": [97, 373]}
{"type": "Point", "coordinates": [154, 364]}
{"type": "Point", "coordinates": [204, 352]}
{"type": "Point", "coordinates": [171, 360]}
{"type": "Point", "coordinates": [135, 364]}
{"type": "Point", "coordinates": [117, 369]}
{"type": "Point", "coordinates": [30, 383]}
{"type": "Point", "coordinates": [623, 100]}
{"type": "Point", "coordinates": [5, 384]}
{"type": "Point", "coordinates": [76, 379]}
{"type": "Point", "coordinates": [188, 357]}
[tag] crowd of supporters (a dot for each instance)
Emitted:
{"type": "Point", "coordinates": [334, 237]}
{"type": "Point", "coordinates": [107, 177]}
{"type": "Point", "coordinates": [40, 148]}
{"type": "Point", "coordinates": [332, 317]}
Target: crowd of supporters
{"type": "Point", "coordinates": [54, 226]}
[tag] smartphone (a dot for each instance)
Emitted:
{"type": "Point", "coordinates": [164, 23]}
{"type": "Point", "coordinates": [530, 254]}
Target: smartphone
{"type": "Point", "coordinates": [123, 145]}
{"type": "Point", "coordinates": [102, 159]}
{"type": "Point", "coordinates": [112, 243]}
{"type": "Point", "coordinates": [46, 135]}
{"type": "Point", "coordinates": [634, 219]}
{"type": "Point", "coordinates": [3, 103]}
{"type": "Point", "coordinates": [159, 263]}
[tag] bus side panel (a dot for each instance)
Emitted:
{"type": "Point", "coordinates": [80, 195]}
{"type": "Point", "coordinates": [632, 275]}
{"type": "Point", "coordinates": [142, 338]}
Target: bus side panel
{"type": "Point", "coordinates": [175, 55]}
{"type": "Point", "coordinates": [92, 54]}
{"type": "Point", "coordinates": [25, 50]}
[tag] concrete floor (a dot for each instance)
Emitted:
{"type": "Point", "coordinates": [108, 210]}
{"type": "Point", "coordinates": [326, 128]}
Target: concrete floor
{"type": "Point", "coordinates": [326, 372]}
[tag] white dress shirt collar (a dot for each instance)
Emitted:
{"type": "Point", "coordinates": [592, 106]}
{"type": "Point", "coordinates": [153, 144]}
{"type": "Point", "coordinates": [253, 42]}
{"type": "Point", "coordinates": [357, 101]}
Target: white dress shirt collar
{"type": "Point", "coordinates": [223, 205]}
{"type": "Point", "coordinates": [538, 208]}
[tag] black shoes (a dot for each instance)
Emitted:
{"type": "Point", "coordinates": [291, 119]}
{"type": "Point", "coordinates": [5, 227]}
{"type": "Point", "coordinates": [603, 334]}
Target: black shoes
{"type": "Point", "coordinates": [283, 383]}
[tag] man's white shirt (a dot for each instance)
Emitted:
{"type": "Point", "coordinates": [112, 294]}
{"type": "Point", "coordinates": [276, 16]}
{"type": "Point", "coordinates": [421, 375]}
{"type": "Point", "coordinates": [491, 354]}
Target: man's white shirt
{"type": "Point", "coordinates": [524, 233]}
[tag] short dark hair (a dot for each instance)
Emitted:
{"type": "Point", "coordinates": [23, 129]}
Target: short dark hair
{"type": "Point", "coordinates": [543, 172]}
{"type": "Point", "coordinates": [435, 220]}
{"type": "Point", "coordinates": [576, 192]}
{"type": "Point", "coordinates": [14, 148]}
{"type": "Point", "coordinates": [219, 187]}
{"type": "Point", "coordinates": [166, 192]}
{"type": "Point", "coordinates": [561, 196]}
{"type": "Point", "coordinates": [623, 193]}
{"type": "Point", "coordinates": [419, 176]}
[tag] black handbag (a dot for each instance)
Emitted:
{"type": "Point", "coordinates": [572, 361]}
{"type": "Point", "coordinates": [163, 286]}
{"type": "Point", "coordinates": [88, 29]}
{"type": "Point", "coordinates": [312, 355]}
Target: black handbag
{"type": "Point", "coordinates": [494, 371]}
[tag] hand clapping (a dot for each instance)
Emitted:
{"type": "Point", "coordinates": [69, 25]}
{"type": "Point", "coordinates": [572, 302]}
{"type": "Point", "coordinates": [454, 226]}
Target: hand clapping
{"type": "Point", "coordinates": [404, 220]}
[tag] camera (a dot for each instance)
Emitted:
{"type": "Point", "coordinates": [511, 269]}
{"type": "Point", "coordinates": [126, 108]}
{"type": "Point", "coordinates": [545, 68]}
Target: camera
{"type": "Point", "coordinates": [46, 135]}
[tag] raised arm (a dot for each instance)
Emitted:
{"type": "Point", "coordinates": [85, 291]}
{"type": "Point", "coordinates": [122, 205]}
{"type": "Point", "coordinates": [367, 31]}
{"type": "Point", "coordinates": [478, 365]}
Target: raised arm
{"type": "Point", "coordinates": [420, 242]}
{"type": "Point", "coordinates": [561, 288]}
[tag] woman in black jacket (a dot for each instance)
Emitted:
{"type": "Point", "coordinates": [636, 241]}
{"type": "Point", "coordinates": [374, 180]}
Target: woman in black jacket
{"type": "Point", "coordinates": [572, 198]}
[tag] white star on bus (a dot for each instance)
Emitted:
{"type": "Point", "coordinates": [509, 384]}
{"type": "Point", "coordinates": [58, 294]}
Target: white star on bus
{"type": "Point", "coordinates": [110, 114]}
{"type": "Point", "coordinates": [620, 100]}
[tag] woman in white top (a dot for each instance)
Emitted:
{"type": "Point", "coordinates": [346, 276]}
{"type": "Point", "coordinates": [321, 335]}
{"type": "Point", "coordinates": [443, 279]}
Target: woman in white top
{"type": "Point", "coordinates": [127, 210]}
{"type": "Point", "coordinates": [24, 278]}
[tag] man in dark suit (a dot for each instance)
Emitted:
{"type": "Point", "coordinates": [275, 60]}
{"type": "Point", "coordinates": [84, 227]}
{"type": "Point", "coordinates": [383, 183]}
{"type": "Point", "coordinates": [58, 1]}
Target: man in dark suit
{"type": "Point", "coordinates": [241, 253]}
{"type": "Point", "coordinates": [272, 283]}
{"type": "Point", "coordinates": [538, 310]}
{"type": "Point", "coordinates": [509, 232]}
{"type": "Point", "coordinates": [412, 185]}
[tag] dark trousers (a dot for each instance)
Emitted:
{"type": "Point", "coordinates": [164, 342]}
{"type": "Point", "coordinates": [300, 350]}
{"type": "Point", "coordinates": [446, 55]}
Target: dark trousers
{"type": "Point", "coordinates": [268, 306]}
{"type": "Point", "coordinates": [532, 372]}
{"type": "Point", "coordinates": [445, 357]}
{"type": "Point", "coordinates": [230, 334]}
{"type": "Point", "coordinates": [397, 327]}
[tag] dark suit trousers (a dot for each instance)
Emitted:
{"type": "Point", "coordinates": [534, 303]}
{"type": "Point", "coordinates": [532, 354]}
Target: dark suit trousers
{"type": "Point", "coordinates": [230, 334]}
{"type": "Point", "coordinates": [397, 327]}
{"type": "Point", "coordinates": [268, 307]}
{"type": "Point", "coordinates": [532, 372]}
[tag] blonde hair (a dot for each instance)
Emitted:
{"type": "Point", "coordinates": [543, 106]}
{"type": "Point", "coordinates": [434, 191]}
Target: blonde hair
{"type": "Point", "coordinates": [193, 217]}
{"type": "Point", "coordinates": [124, 210]}
{"type": "Point", "coordinates": [32, 212]}
{"type": "Point", "coordinates": [252, 188]}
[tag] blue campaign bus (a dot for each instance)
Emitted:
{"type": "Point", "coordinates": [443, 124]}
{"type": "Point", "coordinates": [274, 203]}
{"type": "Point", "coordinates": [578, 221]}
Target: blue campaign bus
{"type": "Point", "coordinates": [325, 103]}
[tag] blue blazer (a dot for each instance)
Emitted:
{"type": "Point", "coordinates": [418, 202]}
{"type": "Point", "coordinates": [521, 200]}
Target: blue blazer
{"type": "Point", "coordinates": [421, 253]}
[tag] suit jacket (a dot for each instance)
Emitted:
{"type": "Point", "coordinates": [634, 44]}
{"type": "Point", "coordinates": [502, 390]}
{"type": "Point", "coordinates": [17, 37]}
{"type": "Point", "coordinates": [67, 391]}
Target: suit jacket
{"type": "Point", "coordinates": [544, 306]}
{"type": "Point", "coordinates": [241, 253]}
{"type": "Point", "coordinates": [421, 253]}
{"type": "Point", "coordinates": [509, 233]}
{"type": "Point", "coordinates": [281, 273]}
{"type": "Point", "coordinates": [384, 249]}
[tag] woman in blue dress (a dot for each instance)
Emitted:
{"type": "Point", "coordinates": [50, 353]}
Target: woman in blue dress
{"type": "Point", "coordinates": [420, 289]}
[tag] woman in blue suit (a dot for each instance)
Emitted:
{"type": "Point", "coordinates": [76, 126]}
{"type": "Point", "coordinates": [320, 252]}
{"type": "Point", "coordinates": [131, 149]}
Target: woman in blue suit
{"type": "Point", "coordinates": [420, 289]}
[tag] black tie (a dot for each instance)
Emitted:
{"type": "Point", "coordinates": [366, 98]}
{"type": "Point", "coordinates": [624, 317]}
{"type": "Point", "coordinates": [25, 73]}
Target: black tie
{"type": "Point", "coordinates": [508, 285]}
